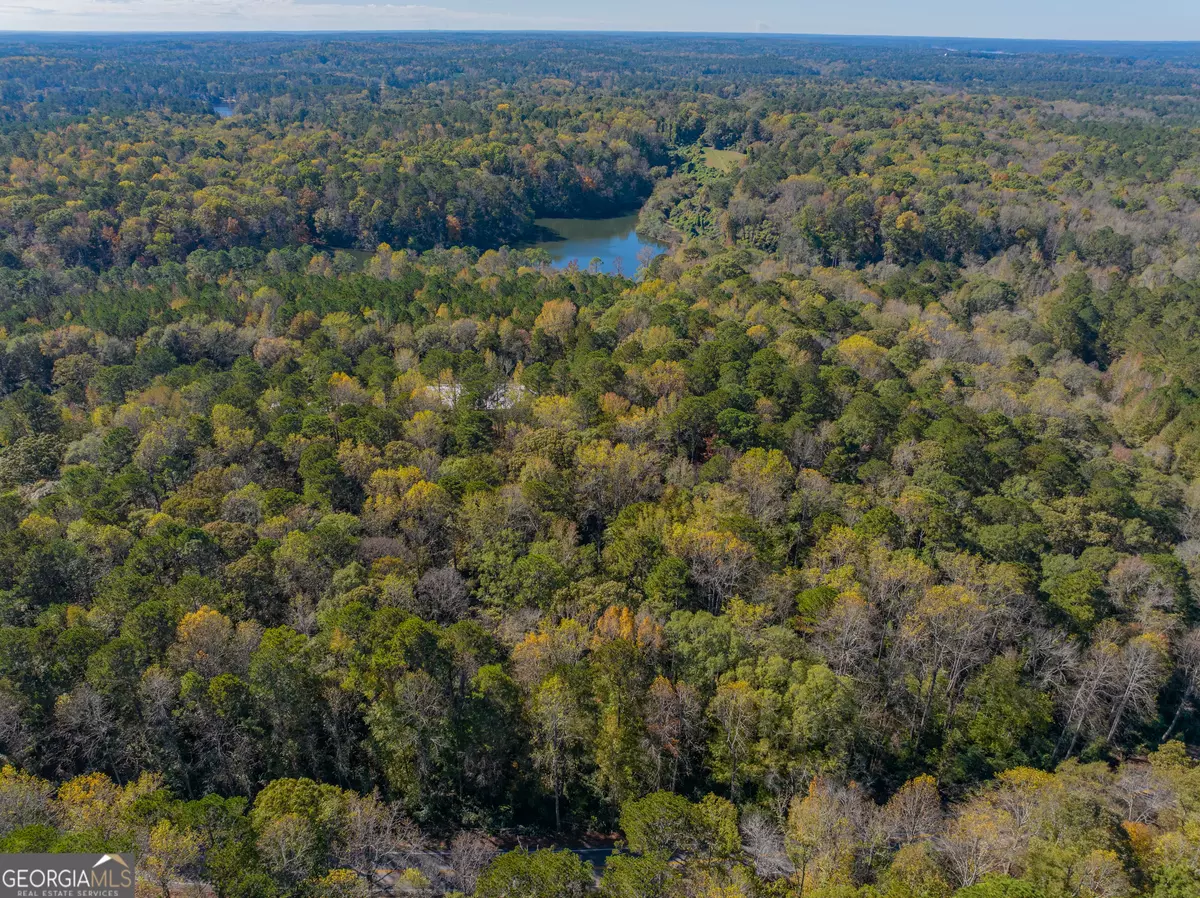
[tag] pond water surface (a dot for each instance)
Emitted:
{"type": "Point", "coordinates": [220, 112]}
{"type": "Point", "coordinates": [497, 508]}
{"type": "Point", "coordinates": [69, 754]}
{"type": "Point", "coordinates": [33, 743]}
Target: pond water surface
{"type": "Point", "coordinates": [614, 241]}
{"type": "Point", "coordinates": [223, 110]}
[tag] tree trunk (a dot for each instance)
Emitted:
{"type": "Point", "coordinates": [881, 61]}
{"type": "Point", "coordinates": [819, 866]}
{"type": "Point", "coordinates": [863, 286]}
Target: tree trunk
{"type": "Point", "coordinates": [1183, 703]}
{"type": "Point", "coordinates": [557, 819]}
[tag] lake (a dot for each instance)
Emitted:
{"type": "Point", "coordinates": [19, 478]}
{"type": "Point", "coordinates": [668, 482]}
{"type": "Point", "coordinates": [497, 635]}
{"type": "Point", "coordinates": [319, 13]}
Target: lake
{"type": "Point", "coordinates": [223, 110]}
{"type": "Point", "coordinates": [613, 240]}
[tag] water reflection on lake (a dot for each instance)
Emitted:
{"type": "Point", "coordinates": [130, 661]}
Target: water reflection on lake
{"type": "Point", "coordinates": [612, 240]}
{"type": "Point", "coordinates": [223, 110]}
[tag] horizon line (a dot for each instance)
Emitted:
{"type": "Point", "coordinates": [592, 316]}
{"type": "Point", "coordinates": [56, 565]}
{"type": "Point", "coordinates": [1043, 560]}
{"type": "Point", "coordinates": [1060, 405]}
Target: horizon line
{"type": "Point", "coordinates": [580, 32]}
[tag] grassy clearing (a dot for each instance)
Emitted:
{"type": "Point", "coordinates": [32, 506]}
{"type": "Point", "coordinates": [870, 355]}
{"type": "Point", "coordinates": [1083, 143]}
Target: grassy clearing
{"type": "Point", "coordinates": [722, 160]}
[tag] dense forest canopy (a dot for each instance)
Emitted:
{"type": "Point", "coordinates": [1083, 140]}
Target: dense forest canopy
{"type": "Point", "coordinates": [850, 549]}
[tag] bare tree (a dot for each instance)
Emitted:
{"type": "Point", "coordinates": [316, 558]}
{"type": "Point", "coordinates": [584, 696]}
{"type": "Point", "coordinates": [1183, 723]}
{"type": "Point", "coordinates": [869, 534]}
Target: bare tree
{"type": "Point", "coordinates": [764, 479]}
{"type": "Point", "coordinates": [14, 734]}
{"type": "Point", "coordinates": [719, 560]}
{"type": "Point", "coordinates": [24, 800]}
{"type": "Point", "coordinates": [470, 854]}
{"type": "Point", "coordinates": [373, 833]}
{"type": "Point", "coordinates": [1142, 592]}
{"type": "Point", "coordinates": [673, 721]}
{"type": "Point", "coordinates": [764, 843]}
{"type": "Point", "coordinates": [1143, 670]}
{"type": "Point", "coordinates": [981, 840]}
{"type": "Point", "coordinates": [846, 635]}
{"type": "Point", "coordinates": [1096, 682]}
{"type": "Point", "coordinates": [1051, 657]}
{"type": "Point", "coordinates": [288, 845]}
{"type": "Point", "coordinates": [84, 721]}
{"type": "Point", "coordinates": [914, 813]}
{"type": "Point", "coordinates": [444, 595]}
{"type": "Point", "coordinates": [645, 256]}
{"type": "Point", "coordinates": [1101, 873]}
{"type": "Point", "coordinates": [1189, 519]}
{"type": "Point", "coordinates": [831, 833]}
{"type": "Point", "coordinates": [1140, 794]}
{"type": "Point", "coordinates": [1188, 666]}
{"type": "Point", "coordinates": [948, 634]}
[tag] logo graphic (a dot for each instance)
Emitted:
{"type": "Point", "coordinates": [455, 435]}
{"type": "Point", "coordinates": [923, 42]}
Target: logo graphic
{"type": "Point", "coordinates": [66, 876]}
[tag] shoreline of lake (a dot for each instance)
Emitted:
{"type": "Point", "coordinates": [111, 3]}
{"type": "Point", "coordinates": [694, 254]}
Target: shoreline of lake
{"type": "Point", "coordinates": [614, 241]}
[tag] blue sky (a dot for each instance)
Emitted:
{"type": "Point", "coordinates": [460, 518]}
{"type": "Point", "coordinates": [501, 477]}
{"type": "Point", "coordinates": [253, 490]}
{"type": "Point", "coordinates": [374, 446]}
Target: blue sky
{"type": "Point", "coordinates": [1095, 20]}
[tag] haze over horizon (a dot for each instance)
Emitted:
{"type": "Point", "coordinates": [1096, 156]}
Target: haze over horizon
{"type": "Point", "coordinates": [1160, 20]}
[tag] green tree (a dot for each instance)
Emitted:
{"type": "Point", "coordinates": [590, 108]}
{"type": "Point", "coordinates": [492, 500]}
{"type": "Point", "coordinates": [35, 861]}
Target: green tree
{"type": "Point", "coordinates": [537, 874]}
